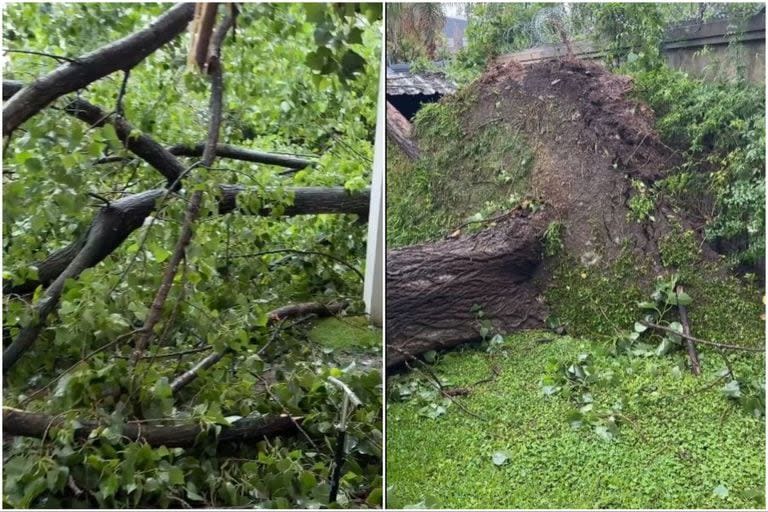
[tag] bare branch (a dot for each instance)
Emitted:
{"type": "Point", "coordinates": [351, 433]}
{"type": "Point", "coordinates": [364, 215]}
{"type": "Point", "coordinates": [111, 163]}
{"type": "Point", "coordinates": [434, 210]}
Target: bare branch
{"type": "Point", "coordinates": [700, 341]}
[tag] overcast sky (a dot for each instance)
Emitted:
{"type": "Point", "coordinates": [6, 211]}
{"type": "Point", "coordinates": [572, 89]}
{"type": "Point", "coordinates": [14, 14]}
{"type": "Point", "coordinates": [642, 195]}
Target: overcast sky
{"type": "Point", "coordinates": [454, 10]}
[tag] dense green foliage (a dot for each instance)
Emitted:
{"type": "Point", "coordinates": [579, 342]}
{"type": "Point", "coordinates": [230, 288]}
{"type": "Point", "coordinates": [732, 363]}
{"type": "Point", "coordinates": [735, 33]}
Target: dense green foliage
{"type": "Point", "coordinates": [566, 424]}
{"type": "Point", "coordinates": [298, 79]}
{"type": "Point", "coordinates": [719, 128]}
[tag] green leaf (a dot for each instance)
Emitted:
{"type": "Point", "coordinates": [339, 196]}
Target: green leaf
{"type": "Point", "coordinates": [500, 458]}
{"type": "Point", "coordinates": [732, 389]}
{"type": "Point", "coordinates": [352, 63]}
{"type": "Point", "coordinates": [33, 164]}
{"type": "Point", "coordinates": [720, 491]}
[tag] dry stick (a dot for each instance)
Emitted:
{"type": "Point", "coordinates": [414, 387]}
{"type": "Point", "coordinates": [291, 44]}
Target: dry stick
{"type": "Point", "coordinates": [700, 341]}
{"type": "Point", "coordinates": [193, 209]}
{"type": "Point", "coordinates": [155, 311]}
{"type": "Point", "coordinates": [693, 354]}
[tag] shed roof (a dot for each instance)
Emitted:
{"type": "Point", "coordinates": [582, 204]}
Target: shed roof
{"type": "Point", "coordinates": [406, 83]}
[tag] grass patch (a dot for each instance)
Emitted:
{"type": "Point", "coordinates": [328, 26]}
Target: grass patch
{"type": "Point", "coordinates": [678, 445]}
{"type": "Point", "coordinates": [352, 332]}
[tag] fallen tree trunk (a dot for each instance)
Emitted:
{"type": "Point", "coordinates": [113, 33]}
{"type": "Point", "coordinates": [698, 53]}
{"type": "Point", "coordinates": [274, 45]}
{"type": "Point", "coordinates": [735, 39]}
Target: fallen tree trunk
{"type": "Point", "coordinates": [127, 214]}
{"type": "Point", "coordinates": [436, 291]}
{"type": "Point", "coordinates": [120, 55]}
{"type": "Point", "coordinates": [29, 424]}
{"type": "Point", "coordinates": [399, 131]}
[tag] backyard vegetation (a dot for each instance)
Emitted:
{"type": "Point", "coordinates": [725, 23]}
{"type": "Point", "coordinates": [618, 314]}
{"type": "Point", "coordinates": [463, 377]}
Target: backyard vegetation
{"type": "Point", "coordinates": [173, 230]}
{"type": "Point", "coordinates": [633, 196]}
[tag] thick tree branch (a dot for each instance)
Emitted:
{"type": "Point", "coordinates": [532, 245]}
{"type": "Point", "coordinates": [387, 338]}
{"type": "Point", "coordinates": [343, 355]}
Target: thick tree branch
{"type": "Point", "coordinates": [399, 131]}
{"type": "Point", "coordinates": [246, 155]}
{"type": "Point", "coordinates": [248, 201]}
{"type": "Point", "coordinates": [29, 424]}
{"type": "Point", "coordinates": [119, 55]}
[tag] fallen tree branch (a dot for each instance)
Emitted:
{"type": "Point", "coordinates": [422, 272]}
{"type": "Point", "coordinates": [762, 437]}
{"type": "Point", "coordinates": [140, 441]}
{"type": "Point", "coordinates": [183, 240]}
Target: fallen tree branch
{"type": "Point", "coordinates": [293, 163]}
{"type": "Point", "coordinates": [399, 131]}
{"type": "Point", "coordinates": [693, 354]}
{"type": "Point", "coordinates": [156, 309]}
{"type": "Point", "coordinates": [700, 341]}
{"type": "Point", "coordinates": [135, 208]}
{"type": "Point", "coordinates": [119, 55]}
{"type": "Point", "coordinates": [276, 315]}
{"type": "Point", "coordinates": [246, 155]}
{"type": "Point", "coordinates": [29, 424]}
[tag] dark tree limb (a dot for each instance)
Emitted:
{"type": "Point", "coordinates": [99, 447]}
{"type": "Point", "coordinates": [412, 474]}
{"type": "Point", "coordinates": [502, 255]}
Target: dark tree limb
{"type": "Point", "coordinates": [399, 131]}
{"type": "Point", "coordinates": [246, 155]}
{"type": "Point", "coordinates": [119, 55]}
{"type": "Point", "coordinates": [434, 290]}
{"type": "Point", "coordinates": [277, 315]}
{"type": "Point", "coordinates": [693, 354]}
{"type": "Point", "coordinates": [142, 145]}
{"type": "Point", "coordinates": [306, 201]}
{"type": "Point", "coordinates": [29, 424]}
{"type": "Point", "coordinates": [109, 229]}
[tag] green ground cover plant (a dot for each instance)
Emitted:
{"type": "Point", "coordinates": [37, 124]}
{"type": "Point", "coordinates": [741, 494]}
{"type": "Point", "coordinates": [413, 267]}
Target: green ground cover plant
{"type": "Point", "coordinates": [567, 424]}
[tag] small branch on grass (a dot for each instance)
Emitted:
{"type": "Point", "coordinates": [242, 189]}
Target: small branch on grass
{"type": "Point", "coordinates": [700, 341]}
{"type": "Point", "coordinates": [693, 354]}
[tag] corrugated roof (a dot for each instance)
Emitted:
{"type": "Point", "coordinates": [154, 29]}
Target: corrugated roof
{"type": "Point", "coordinates": [406, 83]}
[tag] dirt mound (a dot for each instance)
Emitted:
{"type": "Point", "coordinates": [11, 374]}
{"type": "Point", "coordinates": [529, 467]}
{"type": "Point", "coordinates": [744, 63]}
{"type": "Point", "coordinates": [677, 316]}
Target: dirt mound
{"type": "Point", "coordinates": [594, 146]}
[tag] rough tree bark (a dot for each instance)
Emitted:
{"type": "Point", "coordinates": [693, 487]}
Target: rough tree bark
{"type": "Point", "coordinates": [399, 131]}
{"type": "Point", "coordinates": [119, 55]}
{"type": "Point", "coordinates": [434, 289]}
{"type": "Point", "coordinates": [29, 424]}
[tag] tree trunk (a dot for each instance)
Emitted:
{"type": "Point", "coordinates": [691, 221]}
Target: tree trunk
{"type": "Point", "coordinates": [399, 131]}
{"type": "Point", "coordinates": [436, 291]}
{"type": "Point", "coordinates": [29, 424]}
